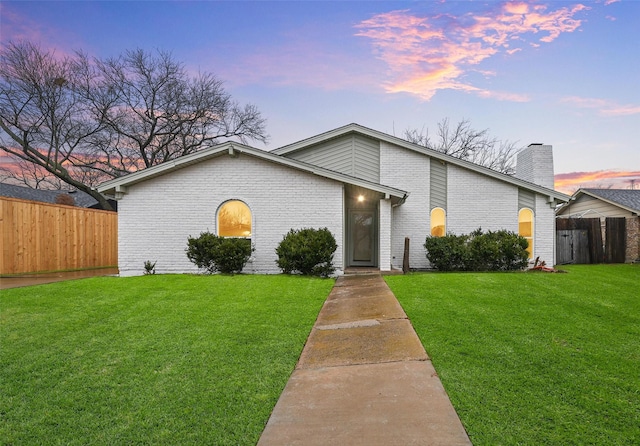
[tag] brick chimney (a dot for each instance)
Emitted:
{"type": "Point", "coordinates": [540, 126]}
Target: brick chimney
{"type": "Point", "coordinates": [535, 164]}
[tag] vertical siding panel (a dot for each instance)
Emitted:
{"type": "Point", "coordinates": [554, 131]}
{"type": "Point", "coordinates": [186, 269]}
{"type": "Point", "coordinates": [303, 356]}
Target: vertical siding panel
{"type": "Point", "coordinates": [438, 184]}
{"type": "Point", "coordinates": [366, 158]}
{"type": "Point", "coordinates": [526, 199]}
{"type": "Point", "coordinates": [353, 155]}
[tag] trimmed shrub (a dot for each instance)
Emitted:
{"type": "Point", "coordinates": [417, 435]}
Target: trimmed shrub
{"type": "Point", "coordinates": [498, 251]}
{"type": "Point", "coordinates": [307, 251]}
{"type": "Point", "coordinates": [491, 251]}
{"type": "Point", "coordinates": [448, 253]}
{"type": "Point", "coordinates": [223, 254]}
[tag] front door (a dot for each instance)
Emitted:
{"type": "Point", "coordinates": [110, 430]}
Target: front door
{"type": "Point", "coordinates": [363, 236]}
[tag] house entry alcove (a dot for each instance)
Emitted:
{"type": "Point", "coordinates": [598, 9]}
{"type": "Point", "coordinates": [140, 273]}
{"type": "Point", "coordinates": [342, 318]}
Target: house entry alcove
{"type": "Point", "coordinates": [361, 227]}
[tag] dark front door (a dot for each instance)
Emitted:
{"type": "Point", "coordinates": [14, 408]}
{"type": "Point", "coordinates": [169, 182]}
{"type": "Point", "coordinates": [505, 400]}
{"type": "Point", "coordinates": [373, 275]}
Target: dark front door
{"type": "Point", "coordinates": [362, 243]}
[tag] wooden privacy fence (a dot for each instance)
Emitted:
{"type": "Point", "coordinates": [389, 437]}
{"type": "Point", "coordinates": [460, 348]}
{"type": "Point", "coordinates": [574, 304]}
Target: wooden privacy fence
{"type": "Point", "coordinates": [580, 240]}
{"type": "Point", "coordinates": [40, 237]}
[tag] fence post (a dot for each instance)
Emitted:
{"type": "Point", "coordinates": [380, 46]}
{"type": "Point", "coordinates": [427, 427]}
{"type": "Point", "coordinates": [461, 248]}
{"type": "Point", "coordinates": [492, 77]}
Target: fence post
{"type": "Point", "coordinates": [405, 258]}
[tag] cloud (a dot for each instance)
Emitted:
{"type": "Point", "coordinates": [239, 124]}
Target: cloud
{"type": "Point", "coordinates": [618, 179]}
{"type": "Point", "coordinates": [425, 54]}
{"type": "Point", "coordinates": [603, 106]}
{"type": "Point", "coordinates": [303, 63]}
{"type": "Point", "coordinates": [18, 27]}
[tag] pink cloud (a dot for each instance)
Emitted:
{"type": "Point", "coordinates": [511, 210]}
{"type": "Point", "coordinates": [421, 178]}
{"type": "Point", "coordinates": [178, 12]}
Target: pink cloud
{"type": "Point", "coordinates": [425, 54]}
{"type": "Point", "coordinates": [605, 107]}
{"type": "Point", "coordinates": [18, 27]}
{"type": "Point", "coordinates": [300, 62]}
{"type": "Point", "coordinates": [572, 181]}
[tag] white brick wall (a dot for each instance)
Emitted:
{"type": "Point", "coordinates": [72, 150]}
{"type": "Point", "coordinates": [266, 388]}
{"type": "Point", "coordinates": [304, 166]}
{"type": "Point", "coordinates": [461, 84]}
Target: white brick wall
{"type": "Point", "coordinates": [384, 249]}
{"type": "Point", "coordinates": [545, 231]}
{"type": "Point", "coordinates": [156, 217]}
{"type": "Point", "coordinates": [410, 171]}
{"type": "Point", "coordinates": [535, 164]}
{"type": "Point", "coordinates": [473, 200]}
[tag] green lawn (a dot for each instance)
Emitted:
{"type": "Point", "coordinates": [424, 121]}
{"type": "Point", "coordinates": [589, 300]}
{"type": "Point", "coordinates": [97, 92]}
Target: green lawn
{"type": "Point", "coordinates": [534, 358]}
{"type": "Point", "coordinates": [173, 359]}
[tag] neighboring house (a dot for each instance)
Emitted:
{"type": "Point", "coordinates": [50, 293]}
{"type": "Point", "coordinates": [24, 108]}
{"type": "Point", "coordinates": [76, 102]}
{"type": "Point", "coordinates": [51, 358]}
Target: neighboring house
{"type": "Point", "coordinates": [370, 189]}
{"type": "Point", "coordinates": [80, 199]}
{"type": "Point", "coordinates": [603, 203]}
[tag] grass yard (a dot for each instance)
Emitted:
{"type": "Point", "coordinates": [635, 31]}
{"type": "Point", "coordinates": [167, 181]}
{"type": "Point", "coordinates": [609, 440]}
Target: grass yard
{"type": "Point", "coordinates": [173, 359]}
{"type": "Point", "coordinates": [534, 358]}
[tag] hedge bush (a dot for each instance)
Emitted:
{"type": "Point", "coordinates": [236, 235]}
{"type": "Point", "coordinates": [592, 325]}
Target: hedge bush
{"type": "Point", "coordinates": [213, 253]}
{"type": "Point", "coordinates": [307, 251]}
{"type": "Point", "coordinates": [491, 251]}
{"type": "Point", "coordinates": [448, 253]}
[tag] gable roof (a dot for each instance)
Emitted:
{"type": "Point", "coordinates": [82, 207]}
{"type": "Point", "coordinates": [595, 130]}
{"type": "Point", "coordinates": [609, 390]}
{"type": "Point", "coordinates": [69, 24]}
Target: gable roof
{"type": "Point", "coordinates": [628, 199]}
{"type": "Point", "coordinates": [118, 186]}
{"type": "Point", "coordinates": [81, 199]}
{"type": "Point", "coordinates": [365, 131]}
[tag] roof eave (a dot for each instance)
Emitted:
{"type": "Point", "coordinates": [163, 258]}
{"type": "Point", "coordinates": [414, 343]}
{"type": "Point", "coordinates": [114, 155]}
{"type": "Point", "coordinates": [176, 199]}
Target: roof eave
{"type": "Point", "coordinates": [119, 185]}
{"type": "Point", "coordinates": [606, 200]}
{"type": "Point", "coordinates": [356, 128]}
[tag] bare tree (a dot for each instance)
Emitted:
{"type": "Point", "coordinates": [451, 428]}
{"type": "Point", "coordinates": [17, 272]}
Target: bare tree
{"type": "Point", "coordinates": [86, 120]}
{"type": "Point", "coordinates": [25, 173]}
{"type": "Point", "coordinates": [464, 142]}
{"type": "Point", "coordinates": [42, 119]}
{"type": "Point", "coordinates": [153, 111]}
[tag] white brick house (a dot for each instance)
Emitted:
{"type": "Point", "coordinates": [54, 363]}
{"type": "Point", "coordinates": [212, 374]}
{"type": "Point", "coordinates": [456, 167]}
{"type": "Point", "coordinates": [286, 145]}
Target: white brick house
{"type": "Point", "coordinates": [370, 189]}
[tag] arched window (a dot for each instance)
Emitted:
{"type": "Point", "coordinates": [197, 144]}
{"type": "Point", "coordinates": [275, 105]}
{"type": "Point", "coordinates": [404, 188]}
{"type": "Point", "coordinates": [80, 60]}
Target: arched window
{"type": "Point", "coordinates": [438, 222]}
{"type": "Point", "coordinates": [234, 219]}
{"type": "Point", "coordinates": [525, 227]}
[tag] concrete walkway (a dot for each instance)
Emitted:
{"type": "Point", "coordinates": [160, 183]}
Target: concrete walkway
{"type": "Point", "coordinates": [363, 378]}
{"type": "Point", "coordinates": [39, 279]}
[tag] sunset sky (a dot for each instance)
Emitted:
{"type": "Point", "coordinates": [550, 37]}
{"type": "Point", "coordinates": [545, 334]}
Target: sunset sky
{"type": "Point", "coordinates": [555, 72]}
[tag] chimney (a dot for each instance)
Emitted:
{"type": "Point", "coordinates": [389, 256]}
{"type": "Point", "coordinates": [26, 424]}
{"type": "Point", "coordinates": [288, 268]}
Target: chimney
{"type": "Point", "coordinates": [535, 164]}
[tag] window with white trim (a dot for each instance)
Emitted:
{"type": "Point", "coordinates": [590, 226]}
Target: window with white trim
{"type": "Point", "coordinates": [234, 219]}
{"type": "Point", "coordinates": [525, 228]}
{"type": "Point", "coordinates": [438, 222]}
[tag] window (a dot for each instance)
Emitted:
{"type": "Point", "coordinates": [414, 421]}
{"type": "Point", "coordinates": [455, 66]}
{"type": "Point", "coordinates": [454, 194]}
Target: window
{"type": "Point", "coordinates": [438, 222]}
{"type": "Point", "coordinates": [525, 227]}
{"type": "Point", "coordinates": [234, 219]}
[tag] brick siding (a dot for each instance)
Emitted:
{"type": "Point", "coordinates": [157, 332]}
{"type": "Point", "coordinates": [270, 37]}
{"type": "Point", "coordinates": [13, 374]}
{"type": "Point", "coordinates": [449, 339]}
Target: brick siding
{"type": "Point", "coordinates": [156, 217]}
{"type": "Point", "coordinates": [633, 239]}
{"type": "Point", "coordinates": [473, 201]}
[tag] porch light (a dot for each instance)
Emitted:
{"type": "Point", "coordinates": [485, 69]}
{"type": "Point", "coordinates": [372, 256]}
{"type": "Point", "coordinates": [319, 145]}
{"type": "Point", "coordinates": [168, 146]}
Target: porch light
{"type": "Point", "coordinates": [360, 198]}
